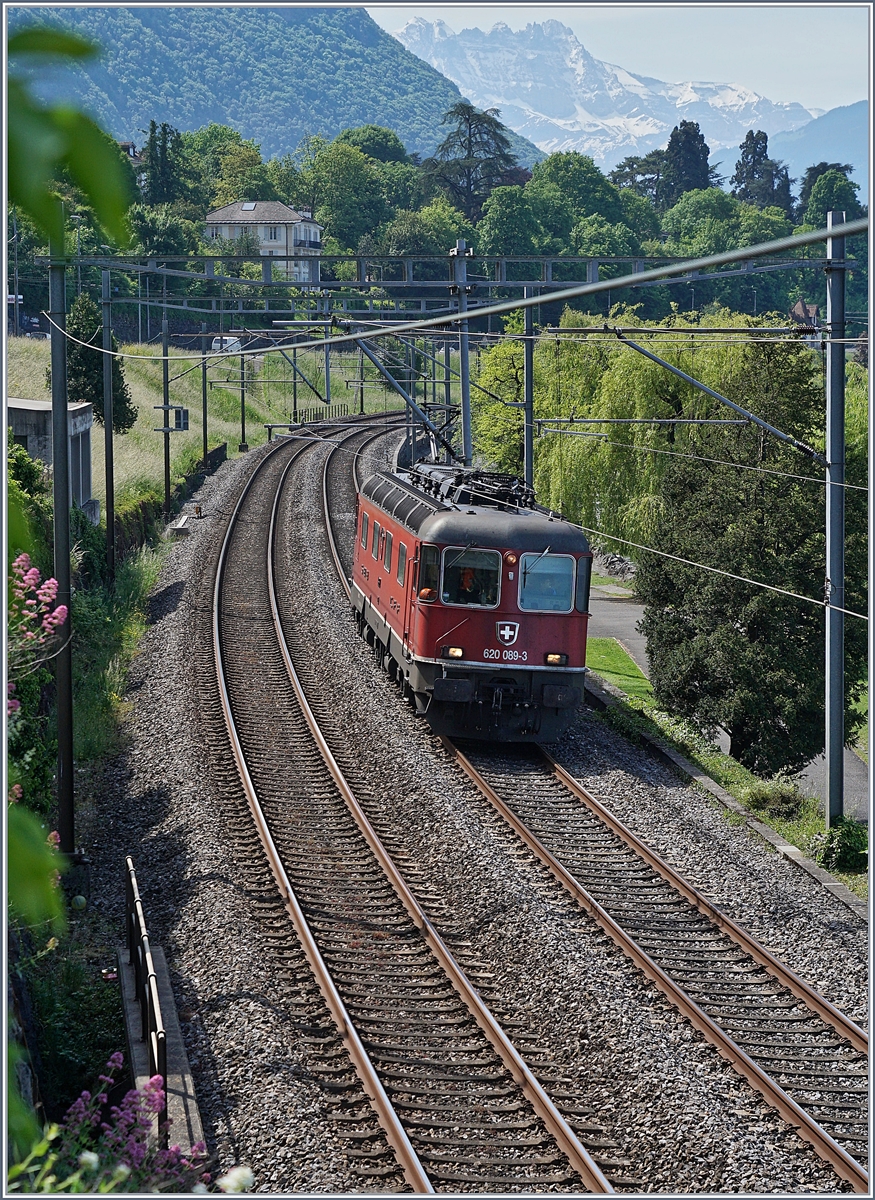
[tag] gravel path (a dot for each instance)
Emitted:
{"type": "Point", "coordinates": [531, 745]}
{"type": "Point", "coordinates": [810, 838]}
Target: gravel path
{"type": "Point", "coordinates": [682, 1118]}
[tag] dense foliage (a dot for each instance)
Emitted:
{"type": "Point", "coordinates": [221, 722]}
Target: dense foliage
{"type": "Point", "coordinates": [275, 74]}
{"type": "Point", "coordinates": [85, 367]}
{"type": "Point", "coordinates": [722, 652]}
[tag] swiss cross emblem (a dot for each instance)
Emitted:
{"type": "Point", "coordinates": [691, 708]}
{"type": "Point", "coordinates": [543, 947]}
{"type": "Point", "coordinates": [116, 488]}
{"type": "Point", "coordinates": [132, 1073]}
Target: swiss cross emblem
{"type": "Point", "coordinates": [507, 631]}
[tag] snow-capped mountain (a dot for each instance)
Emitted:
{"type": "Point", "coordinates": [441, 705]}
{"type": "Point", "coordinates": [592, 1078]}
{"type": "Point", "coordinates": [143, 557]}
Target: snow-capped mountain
{"type": "Point", "coordinates": [552, 91]}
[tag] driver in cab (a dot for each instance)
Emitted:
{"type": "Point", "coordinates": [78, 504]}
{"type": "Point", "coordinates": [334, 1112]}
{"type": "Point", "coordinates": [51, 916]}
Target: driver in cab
{"type": "Point", "coordinates": [469, 591]}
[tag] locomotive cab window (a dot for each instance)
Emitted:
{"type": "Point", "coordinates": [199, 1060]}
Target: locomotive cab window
{"type": "Point", "coordinates": [429, 570]}
{"type": "Point", "coordinates": [387, 553]}
{"type": "Point", "coordinates": [375, 540]}
{"type": "Point", "coordinates": [584, 574]}
{"type": "Point", "coordinates": [365, 530]}
{"type": "Point", "coordinates": [471, 576]}
{"type": "Point", "coordinates": [546, 583]}
{"type": "Point", "coordinates": [402, 562]}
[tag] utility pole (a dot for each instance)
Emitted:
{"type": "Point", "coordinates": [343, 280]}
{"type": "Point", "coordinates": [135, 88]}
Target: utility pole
{"type": "Point", "coordinates": [243, 446]}
{"type": "Point", "coordinates": [361, 381]}
{"type": "Point", "coordinates": [107, 425]}
{"type": "Point", "coordinates": [165, 369]}
{"type": "Point", "coordinates": [461, 281]}
{"type": "Point", "coordinates": [204, 389]}
{"type": "Point", "coordinates": [528, 395]}
{"type": "Point", "coordinates": [327, 366]}
{"type": "Point", "coordinates": [835, 522]}
{"type": "Point", "coordinates": [448, 393]}
{"type": "Point", "coordinates": [16, 310]}
{"type": "Point", "coordinates": [61, 522]}
{"type": "Point", "coordinates": [295, 385]}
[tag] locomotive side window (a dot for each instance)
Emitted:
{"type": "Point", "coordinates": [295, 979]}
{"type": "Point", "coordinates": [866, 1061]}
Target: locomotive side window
{"type": "Point", "coordinates": [375, 540]}
{"type": "Point", "coordinates": [402, 562]}
{"type": "Point", "coordinates": [429, 570]}
{"type": "Point", "coordinates": [584, 573]}
{"type": "Point", "coordinates": [365, 530]}
{"type": "Point", "coordinates": [387, 553]}
{"type": "Point", "coordinates": [546, 583]}
{"type": "Point", "coordinates": [471, 576]}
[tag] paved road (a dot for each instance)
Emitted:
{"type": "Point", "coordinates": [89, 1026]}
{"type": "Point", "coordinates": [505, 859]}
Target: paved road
{"type": "Point", "coordinates": [615, 616]}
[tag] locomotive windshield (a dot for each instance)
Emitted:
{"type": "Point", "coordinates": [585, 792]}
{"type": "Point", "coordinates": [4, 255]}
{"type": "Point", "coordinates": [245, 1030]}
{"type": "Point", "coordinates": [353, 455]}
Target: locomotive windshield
{"type": "Point", "coordinates": [471, 576]}
{"type": "Point", "coordinates": [546, 583]}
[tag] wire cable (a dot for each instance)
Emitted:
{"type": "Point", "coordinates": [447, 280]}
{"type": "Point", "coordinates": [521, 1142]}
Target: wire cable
{"type": "Point", "coordinates": [687, 268]}
{"type": "Point", "coordinates": [728, 574]}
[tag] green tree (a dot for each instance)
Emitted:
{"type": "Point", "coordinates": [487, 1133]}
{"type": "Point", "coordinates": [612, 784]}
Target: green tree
{"type": "Point", "coordinates": [345, 188]}
{"type": "Point", "coordinates": [85, 367]}
{"type": "Point", "coordinates": [686, 162]}
{"type": "Point", "coordinates": [163, 164]}
{"type": "Point", "coordinates": [702, 222]}
{"type": "Point", "coordinates": [758, 179]}
{"type": "Point", "coordinates": [595, 237]}
{"type": "Point", "coordinates": [645, 176]}
{"type": "Point", "coordinates": [160, 230]}
{"type": "Point", "coordinates": [721, 651]}
{"type": "Point", "coordinates": [377, 142]}
{"type": "Point", "coordinates": [283, 176]}
{"type": "Point", "coordinates": [472, 158]}
{"type": "Point", "coordinates": [508, 224]}
{"type": "Point", "coordinates": [811, 176]}
{"type": "Point", "coordinates": [400, 184]}
{"type": "Point", "coordinates": [553, 214]}
{"type": "Point", "coordinates": [586, 189]}
{"type": "Point", "coordinates": [639, 215]}
{"type": "Point", "coordinates": [434, 229]}
{"type": "Point", "coordinates": [832, 191]}
{"type": "Point", "coordinates": [242, 176]}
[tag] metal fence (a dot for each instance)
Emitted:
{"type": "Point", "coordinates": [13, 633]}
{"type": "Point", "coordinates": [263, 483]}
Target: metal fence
{"type": "Point", "coordinates": [152, 1030]}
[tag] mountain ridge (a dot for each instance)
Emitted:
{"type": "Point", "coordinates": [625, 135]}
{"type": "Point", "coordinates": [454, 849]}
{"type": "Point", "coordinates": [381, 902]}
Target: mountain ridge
{"type": "Point", "coordinates": [274, 74]}
{"type": "Point", "coordinates": [554, 92]}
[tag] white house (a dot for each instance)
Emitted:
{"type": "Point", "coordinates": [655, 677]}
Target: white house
{"type": "Point", "coordinates": [280, 231]}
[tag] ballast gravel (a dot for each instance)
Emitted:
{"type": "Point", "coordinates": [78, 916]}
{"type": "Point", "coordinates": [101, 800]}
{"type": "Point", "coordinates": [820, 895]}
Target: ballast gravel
{"type": "Point", "coordinates": [682, 1120]}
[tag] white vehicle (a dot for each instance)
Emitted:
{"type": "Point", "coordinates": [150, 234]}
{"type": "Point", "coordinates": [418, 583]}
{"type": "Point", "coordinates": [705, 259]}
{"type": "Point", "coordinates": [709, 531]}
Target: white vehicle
{"type": "Point", "coordinates": [230, 345]}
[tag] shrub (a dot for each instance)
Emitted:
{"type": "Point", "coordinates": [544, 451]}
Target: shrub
{"type": "Point", "coordinates": [778, 797]}
{"type": "Point", "coordinates": [101, 1148]}
{"type": "Point", "coordinates": [842, 847]}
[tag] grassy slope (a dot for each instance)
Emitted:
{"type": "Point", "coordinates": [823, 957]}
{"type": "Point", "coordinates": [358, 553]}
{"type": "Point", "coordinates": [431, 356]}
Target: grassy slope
{"type": "Point", "coordinates": [139, 454]}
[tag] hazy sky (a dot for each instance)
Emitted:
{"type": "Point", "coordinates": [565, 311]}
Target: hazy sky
{"type": "Point", "coordinates": [817, 54]}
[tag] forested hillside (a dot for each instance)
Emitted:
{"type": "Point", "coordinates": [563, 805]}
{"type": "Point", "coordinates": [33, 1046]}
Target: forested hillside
{"type": "Point", "coordinates": [274, 74]}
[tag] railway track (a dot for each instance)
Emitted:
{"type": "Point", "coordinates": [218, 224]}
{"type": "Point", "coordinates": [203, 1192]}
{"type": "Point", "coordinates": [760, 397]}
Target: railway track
{"type": "Point", "coordinates": [804, 1057]}
{"type": "Point", "coordinates": [455, 1102]}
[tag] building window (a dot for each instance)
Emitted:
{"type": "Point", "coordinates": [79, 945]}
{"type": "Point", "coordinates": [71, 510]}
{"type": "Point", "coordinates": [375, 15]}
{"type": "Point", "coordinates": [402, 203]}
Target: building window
{"type": "Point", "coordinates": [273, 233]}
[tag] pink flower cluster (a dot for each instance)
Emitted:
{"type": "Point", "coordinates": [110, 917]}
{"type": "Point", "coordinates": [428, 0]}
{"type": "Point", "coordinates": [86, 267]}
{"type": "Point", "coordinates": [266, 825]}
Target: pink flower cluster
{"type": "Point", "coordinates": [118, 1142]}
{"type": "Point", "coordinates": [34, 621]}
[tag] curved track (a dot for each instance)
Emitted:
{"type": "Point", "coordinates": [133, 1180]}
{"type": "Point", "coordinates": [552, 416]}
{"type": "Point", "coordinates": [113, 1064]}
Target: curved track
{"type": "Point", "coordinates": [797, 1050]}
{"type": "Point", "coordinates": [458, 1104]}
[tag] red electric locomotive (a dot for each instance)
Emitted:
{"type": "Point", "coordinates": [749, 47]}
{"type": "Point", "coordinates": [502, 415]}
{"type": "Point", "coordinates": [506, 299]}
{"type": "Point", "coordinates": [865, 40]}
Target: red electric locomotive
{"type": "Point", "coordinates": [475, 599]}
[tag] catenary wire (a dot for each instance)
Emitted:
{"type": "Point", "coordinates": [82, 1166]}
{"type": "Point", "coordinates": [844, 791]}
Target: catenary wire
{"type": "Point", "coordinates": [724, 462]}
{"type": "Point", "coordinates": [728, 574]}
{"type": "Point", "coordinates": [762, 249]}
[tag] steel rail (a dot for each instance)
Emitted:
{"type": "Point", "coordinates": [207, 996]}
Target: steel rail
{"type": "Point", "coordinates": [335, 554]}
{"type": "Point", "coordinates": [793, 982]}
{"type": "Point", "coordinates": [576, 1153]}
{"type": "Point", "coordinates": [412, 1168]}
{"type": "Point", "coordinates": [825, 1146]}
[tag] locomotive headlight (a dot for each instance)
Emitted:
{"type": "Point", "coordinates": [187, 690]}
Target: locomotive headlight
{"type": "Point", "coordinates": [452, 652]}
{"type": "Point", "coordinates": [556, 660]}
{"type": "Point", "coordinates": [510, 559]}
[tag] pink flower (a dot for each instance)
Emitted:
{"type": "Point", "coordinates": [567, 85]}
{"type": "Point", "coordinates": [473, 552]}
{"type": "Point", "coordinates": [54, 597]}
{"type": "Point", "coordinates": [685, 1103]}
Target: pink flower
{"type": "Point", "coordinates": [54, 839]}
{"type": "Point", "coordinates": [12, 706]}
{"type": "Point", "coordinates": [15, 793]}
